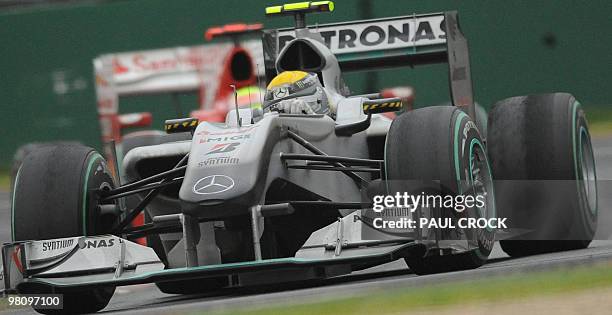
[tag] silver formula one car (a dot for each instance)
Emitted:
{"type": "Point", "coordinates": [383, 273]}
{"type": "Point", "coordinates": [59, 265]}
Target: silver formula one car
{"type": "Point", "coordinates": [269, 197]}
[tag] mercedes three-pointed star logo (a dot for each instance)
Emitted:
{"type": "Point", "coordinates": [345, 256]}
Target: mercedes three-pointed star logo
{"type": "Point", "coordinates": [213, 184]}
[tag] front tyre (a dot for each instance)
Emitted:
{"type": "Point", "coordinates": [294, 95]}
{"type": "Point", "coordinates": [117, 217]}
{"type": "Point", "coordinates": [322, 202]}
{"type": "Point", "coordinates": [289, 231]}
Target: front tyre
{"type": "Point", "coordinates": [441, 147]}
{"type": "Point", "coordinates": [53, 197]}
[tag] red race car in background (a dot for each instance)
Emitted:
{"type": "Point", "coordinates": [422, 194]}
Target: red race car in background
{"type": "Point", "coordinates": [209, 70]}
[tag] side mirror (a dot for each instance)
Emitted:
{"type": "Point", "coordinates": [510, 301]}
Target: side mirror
{"type": "Point", "coordinates": [348, 130]}
{"type": "Point", "coordinates": [181, 125]}
{"type": "Point", "coordinates": [382, 105]}
{"type": "Point", "coordinates": [350, 117]}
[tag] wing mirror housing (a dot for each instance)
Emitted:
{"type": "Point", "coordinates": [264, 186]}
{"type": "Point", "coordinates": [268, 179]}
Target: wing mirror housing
{"type": "Point", "coordinates": [181, 125]}
{"type": "Point", "coordinates": [348, 130]}
{"type": "Point", "coordinates": [382, 105]}
{"type": "Point", "coordinates": [355, 113]}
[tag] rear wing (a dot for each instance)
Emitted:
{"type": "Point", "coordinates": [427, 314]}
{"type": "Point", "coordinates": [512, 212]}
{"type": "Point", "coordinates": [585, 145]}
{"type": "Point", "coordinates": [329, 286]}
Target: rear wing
{"type": "Point", "coordinates": [233, 31]}
{"type": "Point", "coordinates": [167, 70]}
{"type": "Point", "coordinates": [391, 42]}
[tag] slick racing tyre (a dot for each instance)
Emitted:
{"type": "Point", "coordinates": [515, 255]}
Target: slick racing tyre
{"type": "Point", "coordinates": [25, 149]}
{"type": "Point", "coordinates": [439, 150]}
{"type": "Point", "coordinates": [481, 118]}
{"type": "Point", "coordinates": [542, 161]}
{"type": "Point", "coordinates": [52, 198]}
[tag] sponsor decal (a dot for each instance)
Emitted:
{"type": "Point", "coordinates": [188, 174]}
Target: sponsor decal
{"type": "Point", "coordinates": [225, 135]}
{"type": "Point", "coordinates": [379, 34]}
{"type": "Point", "coordinates": [222, 160]}
{"type": "Point", "coordinates": [223, 138]}
{"type": "Point", "coordinates": [97, 243]}
{"type": "Point", "coordinates": [281, 92]}
{"type": "Point", "coordinates": [223, 148]}
{"type": "Point", "coordinates": [118, 67]}
{"type": "Point", "coordinates": [228, 132]}
{"type": "Point", "coordinates": [157, 61]}
{"type": "Point", "coordinates": [60, 244]}
{"type": "Point", "coordinates": [213, 184]}
{"type": "Point", "coordinates": [469, 125]}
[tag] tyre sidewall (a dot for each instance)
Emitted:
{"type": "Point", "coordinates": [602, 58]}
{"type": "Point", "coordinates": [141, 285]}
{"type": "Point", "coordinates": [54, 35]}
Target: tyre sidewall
{"type": "Point", "coordinates": [54, 197]}
{"type": "Point", "coordinates": [96, 176]}
{"type": "Point", "coordinates": [586, 216]}
{"type": "Point", "coordinates": [465, 137]}
{"type": "Point", "coordinates": [433, 144]}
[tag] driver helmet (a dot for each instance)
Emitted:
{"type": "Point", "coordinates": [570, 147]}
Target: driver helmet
{"type": "Point", "coordinates": [302, 85]}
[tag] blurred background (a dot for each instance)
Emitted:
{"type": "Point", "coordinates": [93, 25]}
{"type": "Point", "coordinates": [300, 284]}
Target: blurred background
{"type": "Point", "coordinates": [47, 88]}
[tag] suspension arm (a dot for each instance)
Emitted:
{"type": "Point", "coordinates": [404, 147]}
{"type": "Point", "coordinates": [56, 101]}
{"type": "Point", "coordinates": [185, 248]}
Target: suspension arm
{"type": "Point", "coordinates": [131, 214]}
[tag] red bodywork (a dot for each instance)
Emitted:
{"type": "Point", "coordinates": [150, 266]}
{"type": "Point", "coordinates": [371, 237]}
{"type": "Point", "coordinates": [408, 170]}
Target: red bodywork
{"type": "Point", "coordinates": [208, 70]}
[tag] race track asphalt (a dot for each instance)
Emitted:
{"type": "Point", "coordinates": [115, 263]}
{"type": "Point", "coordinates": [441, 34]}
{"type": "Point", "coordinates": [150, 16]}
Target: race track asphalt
{"type": "Point", "coordinates": [146, 299]}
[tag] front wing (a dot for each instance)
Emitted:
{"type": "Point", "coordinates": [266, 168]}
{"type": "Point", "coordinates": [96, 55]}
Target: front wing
{"type": "Point", "coordinates": [80, 262]}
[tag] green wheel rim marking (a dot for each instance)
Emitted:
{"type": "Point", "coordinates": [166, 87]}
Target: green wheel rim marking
{"type": "Point", "coordinates": [460, 118]}
{"type": "Point", "coordinates": [574, 111]}
{"type": "Point", "coordinates": [594, 208]}
{"type": "Point", "coordinates": [92, 159]}
{"type": "Point", "coordinates": [494, 212]}
{"type": "Point", "coordinates": [578, 157]}
{"type": "Point", "coordinates": [458, 122]}
{"type": "Point", "coordinates": [13, 204]}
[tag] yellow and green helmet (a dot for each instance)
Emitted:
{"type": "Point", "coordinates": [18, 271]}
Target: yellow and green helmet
{"type": "Point", "coordinates": [300, 85]}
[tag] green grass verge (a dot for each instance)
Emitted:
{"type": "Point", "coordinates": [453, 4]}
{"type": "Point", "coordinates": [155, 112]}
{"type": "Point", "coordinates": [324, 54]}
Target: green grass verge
{"type": "Point", "coordinates": [600, 119]}
{"type": "Point", "coordinates": [492, 289]}
{"type": "Point", "coordinates": [4, 305]}
{"type": "Point", "coordinates": [5, 181]}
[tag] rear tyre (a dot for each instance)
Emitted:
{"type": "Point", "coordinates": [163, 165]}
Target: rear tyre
{"type": "Point", "coordinates": [542, 142]}
{"type": "Point", "coordinates": [52, 198]}
{"type": "Point", "coordinates": [439, 150]}
{"type": "Point", "coordinates": [481, 118]}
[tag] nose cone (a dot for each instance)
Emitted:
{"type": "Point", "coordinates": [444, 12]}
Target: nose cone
{"type": "Point", "coordinates": [213, 184]}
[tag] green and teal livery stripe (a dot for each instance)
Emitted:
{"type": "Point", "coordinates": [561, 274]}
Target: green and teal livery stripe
{"type": "Point", "coordinates": [574, 112]}
{"type": "Point", "coordinates": [458, 121]}
{"type": "Point", "coordinates": [476, 141]}
{"type": "Point", "coordinates": [13, 205]}
{"type": "Point", "coordinates": [92, 160]}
